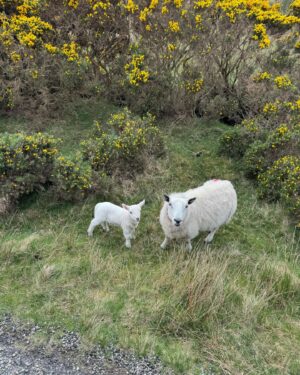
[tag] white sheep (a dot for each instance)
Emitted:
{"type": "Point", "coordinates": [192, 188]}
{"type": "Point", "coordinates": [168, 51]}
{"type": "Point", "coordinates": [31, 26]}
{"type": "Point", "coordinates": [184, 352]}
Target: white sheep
{"type": "Point", "coordinates": [205, 208]}
{"type": "Point", "coordinates": [126, 217]}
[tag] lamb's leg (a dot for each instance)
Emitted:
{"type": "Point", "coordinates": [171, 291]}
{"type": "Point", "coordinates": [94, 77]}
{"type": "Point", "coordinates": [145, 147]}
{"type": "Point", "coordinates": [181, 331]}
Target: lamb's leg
{"type": "Point", "coordinates": [127, 236]}
{"type": "Point", "coordinates": [165, 242]}
{"type": "Point", "coordinates": [132, 236]}
{"type": "Point", "coordinates": [210, 237]}
{"type": "Point", "coordinates": [189, 245]}
{"type": "Point", "coordinates": [105, 226]}
{"type": "Point", "coordinates": [92, 226]}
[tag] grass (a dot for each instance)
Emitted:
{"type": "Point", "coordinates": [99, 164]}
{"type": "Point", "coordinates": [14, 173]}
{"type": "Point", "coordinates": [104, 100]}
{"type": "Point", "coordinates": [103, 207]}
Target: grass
{"type": "Point", "coordinates": [230, 308]}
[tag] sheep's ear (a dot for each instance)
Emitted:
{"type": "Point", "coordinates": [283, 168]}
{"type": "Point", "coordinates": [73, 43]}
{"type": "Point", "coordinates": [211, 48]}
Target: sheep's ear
{"type": "Point", "coordinates": [167, 198]}
{"type": "Point", "coordinates": [142, 203]}
{"type": "Point", "coordinates": [190, 201]}
{"type": "Point", "coordinates": [125, 206]}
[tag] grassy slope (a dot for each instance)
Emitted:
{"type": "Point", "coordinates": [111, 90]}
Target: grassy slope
{"type": "Point", "coordinates": [232, 307]}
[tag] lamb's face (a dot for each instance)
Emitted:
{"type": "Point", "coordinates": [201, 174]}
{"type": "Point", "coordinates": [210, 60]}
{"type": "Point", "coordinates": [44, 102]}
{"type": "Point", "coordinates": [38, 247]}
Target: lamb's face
{"type": "Point", "coordinates": [178, 209]}
{"type": "Point", "coordinates": [134, 211]}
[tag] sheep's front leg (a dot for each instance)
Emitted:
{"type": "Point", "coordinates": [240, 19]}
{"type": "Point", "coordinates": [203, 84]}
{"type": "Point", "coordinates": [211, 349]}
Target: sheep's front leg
{"type": "Point", "coordinates": [165, 243]}
{"type": "Point", "coordinates": [189, 245]}
{"type": "Point", "coordinates": [127, 236]}
{"type": "Point", "coordinates": [132, 237]}
{"type": "Point", "coordinates": [92, 226]}
{"type": "Point", "coordinates": [210, 237]}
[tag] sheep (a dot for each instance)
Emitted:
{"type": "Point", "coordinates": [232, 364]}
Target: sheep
{"type": "Point", "coordinates": [126, 217]}
{"type": "Point", "coordinates": [204, 208]}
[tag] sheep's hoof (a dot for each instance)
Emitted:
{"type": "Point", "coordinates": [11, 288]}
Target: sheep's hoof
{"type": "Point", "coordinates": [90, 234]}
{"type": "Point", "coordinates": [207, 242]}
{"type": "Point", "coordinates": [128, 245]}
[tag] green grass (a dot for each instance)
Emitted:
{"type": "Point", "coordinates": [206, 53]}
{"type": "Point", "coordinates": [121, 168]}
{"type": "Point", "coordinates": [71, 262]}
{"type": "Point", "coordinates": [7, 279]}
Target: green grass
{"type": "Point", "coordinates": [232, 307]}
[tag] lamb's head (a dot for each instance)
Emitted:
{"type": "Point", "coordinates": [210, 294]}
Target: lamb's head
{"type": "Point", "coordinates": [177, 208]}
{"type": "Point", "coordinates": [134, 211]}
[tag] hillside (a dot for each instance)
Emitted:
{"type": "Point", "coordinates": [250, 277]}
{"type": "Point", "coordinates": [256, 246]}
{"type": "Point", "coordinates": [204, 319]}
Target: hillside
{"type": "Point", "coordinates": [231, 307]}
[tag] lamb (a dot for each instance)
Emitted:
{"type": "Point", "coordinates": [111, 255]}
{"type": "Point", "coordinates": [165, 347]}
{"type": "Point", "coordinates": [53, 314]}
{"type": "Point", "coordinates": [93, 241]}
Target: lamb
{"type": "Point", "coordinates": [126, 217]}
{"type": "Point", "coordinates": [204, 208]}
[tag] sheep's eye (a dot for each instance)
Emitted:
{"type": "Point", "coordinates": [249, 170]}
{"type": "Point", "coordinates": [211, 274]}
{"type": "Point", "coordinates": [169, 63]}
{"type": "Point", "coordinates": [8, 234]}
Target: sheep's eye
{"type": "Point", "coordinates": [170, 204]}
{"type": "Point", "coordinates": [130, 212]}
{"type": "Point", "coordinates": [186, 206]}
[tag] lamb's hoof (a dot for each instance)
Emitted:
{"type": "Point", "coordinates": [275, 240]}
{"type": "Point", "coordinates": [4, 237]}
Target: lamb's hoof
{"type": "Point", "coordinates": [207, 242]}
{"type": "Point", "coordinates": [89, 234]}
{"type": "Point", "coordinates": [162, 246]}
{"type": "Point", "coordinates": [128, 245]}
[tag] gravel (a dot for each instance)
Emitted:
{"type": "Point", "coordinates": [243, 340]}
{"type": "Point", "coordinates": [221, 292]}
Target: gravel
{"type": "Point", "coordinates": [20, 354]}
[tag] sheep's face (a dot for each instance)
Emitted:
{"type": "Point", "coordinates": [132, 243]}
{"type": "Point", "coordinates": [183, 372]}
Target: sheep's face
{"type": "Point", "coordinates": [134, 211]}
{"type": "Point", "coordinates": [178, 209]}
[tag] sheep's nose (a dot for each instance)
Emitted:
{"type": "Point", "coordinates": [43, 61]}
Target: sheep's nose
{"type": "Point", "coordinates": [137, 219]}
{"type": "Point", "coordinates": [177, 222]}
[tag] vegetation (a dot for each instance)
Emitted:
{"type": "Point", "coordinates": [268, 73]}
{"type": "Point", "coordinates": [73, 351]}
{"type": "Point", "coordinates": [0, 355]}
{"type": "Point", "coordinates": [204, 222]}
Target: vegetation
{"type": "Point", "coordinates": [232, 307]}
{"type": "Point", "coordinates": [31, 162]}
{"type": "Point", "coordinates": [196, 56]}
{"type": "Point", "coordinates": [268, 145]}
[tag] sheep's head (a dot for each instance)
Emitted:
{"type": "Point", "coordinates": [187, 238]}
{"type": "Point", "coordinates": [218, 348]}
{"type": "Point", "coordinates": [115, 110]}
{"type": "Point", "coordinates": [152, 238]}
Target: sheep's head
{"type": "Point", "coordinates": [178, 208]}
{"type": "Point", "coordinates": [134, 211]}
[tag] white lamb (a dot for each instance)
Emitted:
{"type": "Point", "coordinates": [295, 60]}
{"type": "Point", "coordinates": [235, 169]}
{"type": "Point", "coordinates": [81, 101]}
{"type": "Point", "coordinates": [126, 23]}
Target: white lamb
{"type": "Point", "coordinates": [205, 208]}
{"type": "Point", "coordinates": [126, 217]}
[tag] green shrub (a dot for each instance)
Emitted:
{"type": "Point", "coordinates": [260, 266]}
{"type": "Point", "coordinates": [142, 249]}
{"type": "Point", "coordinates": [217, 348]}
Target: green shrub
{"type": "Point", "coordinates": [26, 163]}
{"type": "Point", "coordinates": [71, 180]}
{"type": "Point", "coordinates": [123, 143]}
{"type": "Point", "coordinates": [235, 142]}
{"type": "Point", "coordinates": [282, 181]}
{"type": "Point", "coordinates": [261, 155]}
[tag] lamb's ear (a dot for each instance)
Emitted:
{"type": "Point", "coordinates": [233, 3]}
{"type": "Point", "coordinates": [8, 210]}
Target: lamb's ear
{"type": "Point", "coordinates": [142, 203]}
{"type": "Point", "coordinates": [125, 206]}
{"type": "Point", "coordinates": [190, 201]}
{"type": "Point", "coordinates": [167, 198]}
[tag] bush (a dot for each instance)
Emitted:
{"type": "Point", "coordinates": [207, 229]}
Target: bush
{"type": "Point", "coordinates": [282, 181]}
{"type": "Point", "coordinates": [261, 155]}
{"type": "Point", "coordinates": [71, 180]}
{"type": "Point", "coordinates": [26, 163]}
{"type": "Point", "coordinates": [235, 142]}
{"type": "Point", "coordinates": [123, 144]}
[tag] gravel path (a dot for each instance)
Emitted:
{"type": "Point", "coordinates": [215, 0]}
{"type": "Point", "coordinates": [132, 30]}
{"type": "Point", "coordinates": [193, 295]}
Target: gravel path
{"type": "Point", "coordinates": [19, 355]}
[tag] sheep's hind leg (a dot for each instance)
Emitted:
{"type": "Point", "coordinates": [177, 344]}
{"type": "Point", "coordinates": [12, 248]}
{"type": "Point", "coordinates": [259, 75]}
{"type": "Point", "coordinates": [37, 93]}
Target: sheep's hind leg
{"type": "Point", "coordinates": [92, 226]}
{"type": "Point", "coordinates": [210, 236]}
{"type": "Point", "coordinates": [165, 242]}
{"type": "Point", "coordinates": [105, 226]}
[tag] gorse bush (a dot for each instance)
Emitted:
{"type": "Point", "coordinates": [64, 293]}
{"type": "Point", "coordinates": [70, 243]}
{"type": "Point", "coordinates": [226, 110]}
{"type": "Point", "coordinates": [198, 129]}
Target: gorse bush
{"type": "Point", "coordinates": [71, 180]}
{"type": "Point", "coordinates": [280, 142]}
{"type": "Point", "coordinates": [269, 145]}
{"type": "Point", "coordinates": [197, 56]}
{"type": "Point", "coordinates": [282, 181]}
{"type": "Point", "coordinates": [26, 163]}
{"type": "Point", "coordinates": [123, 144]}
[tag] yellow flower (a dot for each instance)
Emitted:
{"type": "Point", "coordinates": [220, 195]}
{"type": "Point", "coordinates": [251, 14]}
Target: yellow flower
{"type": "Point", "coordinates": [174, 26]}
{"type": "Point", "coordinates": [282, 81]}
{"type": "Point", "coordinates": [131, 6]}
{"type": "Point", "coordinates": [15, 56]}
{"type": "Point", "coordinates": [34, 74]}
